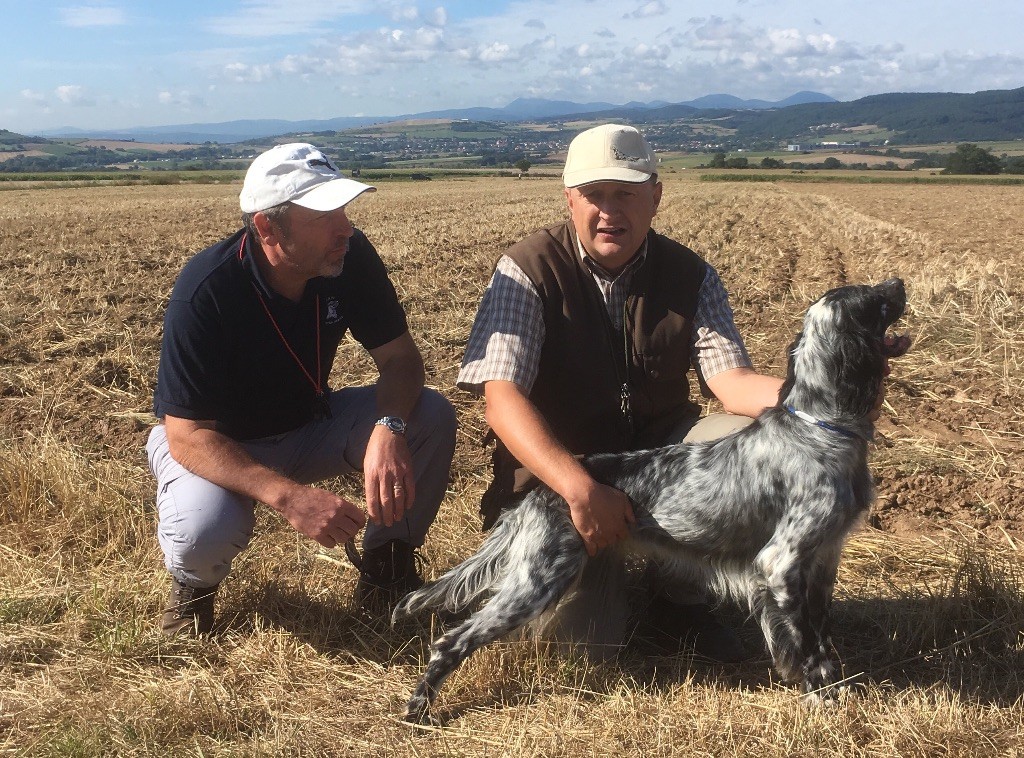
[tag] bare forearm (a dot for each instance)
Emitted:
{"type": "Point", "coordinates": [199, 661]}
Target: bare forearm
{"type": "Point", "coordinates": [601, 514]}
{"type": "Point", "coordinates": [519, 425]}
{"type": "Point", "coordinates": [401, 376]}
{"type": "Point", "coordinates": [317, 513]}
{"type": "Point", "coordinates": [745, 392]}
{"type": "Point", "coordinates": [399, 389]}
{"type": "Point", "coordinates": [224, 462]}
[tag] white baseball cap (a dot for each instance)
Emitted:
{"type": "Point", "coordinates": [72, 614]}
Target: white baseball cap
{"type": "Point", "coordinates": [609, 153]}
{"type": "Point", "coordinates": [297, 173]}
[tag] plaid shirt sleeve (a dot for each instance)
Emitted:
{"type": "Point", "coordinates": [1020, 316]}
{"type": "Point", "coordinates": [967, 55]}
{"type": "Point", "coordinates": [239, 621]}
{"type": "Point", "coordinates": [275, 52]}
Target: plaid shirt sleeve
{"type": "Point", "coordinates": [508, 333]}
{"type": "Point", "coordinates": [717, 345]}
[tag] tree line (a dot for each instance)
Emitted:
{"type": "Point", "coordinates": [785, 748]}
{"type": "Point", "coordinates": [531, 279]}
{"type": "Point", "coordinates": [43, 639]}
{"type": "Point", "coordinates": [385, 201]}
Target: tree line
{"type": "Point", "coordinates": [967, 159]}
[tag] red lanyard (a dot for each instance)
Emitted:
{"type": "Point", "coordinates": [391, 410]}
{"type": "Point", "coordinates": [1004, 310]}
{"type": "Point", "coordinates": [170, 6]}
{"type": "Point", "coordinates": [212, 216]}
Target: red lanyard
{"type": "Point", "coordinates": [322, 408]}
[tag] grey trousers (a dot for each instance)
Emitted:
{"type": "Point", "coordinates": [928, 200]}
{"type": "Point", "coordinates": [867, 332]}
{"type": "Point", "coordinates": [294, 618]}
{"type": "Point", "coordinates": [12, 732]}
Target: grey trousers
{"type": "Point", "coordinates": [203, 527]}
{"type": "Point", "coordinates": [595, 618]}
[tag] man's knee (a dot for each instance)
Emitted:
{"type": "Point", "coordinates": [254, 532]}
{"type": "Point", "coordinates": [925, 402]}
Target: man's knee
{"type": "Point", "coordinates": [201, 531]}
{"type": "Point", "coordinates": [432, 425]}
{"type": "Point", "coordinates": [434, 413]}
{"type": "Point", "coordinates": [715, 426]}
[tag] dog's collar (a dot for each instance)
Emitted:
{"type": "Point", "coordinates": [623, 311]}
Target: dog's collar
{"type": "Point", "coordinates": [807, 418]}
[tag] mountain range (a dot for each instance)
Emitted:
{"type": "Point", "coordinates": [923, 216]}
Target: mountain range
{"type": "Point", "coordinates": [521, 109]}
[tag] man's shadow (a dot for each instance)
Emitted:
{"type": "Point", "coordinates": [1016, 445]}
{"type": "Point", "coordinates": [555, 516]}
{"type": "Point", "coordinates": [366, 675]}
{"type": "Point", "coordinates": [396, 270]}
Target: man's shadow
{"type": "Point", "coordinates": [334, 626]}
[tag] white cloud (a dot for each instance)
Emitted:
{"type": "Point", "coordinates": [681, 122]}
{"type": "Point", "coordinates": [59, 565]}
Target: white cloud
{"type": "Point", "coordinates": [73, 94]}
{"type": "Point", "coordinates": [649, 10]}
{"type": "Point", "coordinates": [80, 16]}
{"type": "Point", "coordinates": [405, 13]}
{"type": "Point", "coordinates": [399, 56]}
{"type": "Point", "coordinates": [647, 52]}
{"type": "Point", "coordinates": [180, 99]}
{"type": "Point", "coordinates": [495, 52]}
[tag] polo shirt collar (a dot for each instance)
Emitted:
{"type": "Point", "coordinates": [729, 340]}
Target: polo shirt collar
{"type": "Point", "coordinates": [248, 254]}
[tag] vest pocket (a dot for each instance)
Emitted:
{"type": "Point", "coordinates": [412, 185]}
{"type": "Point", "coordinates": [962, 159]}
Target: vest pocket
{"type": "Point", "coordinates": [670, 366]}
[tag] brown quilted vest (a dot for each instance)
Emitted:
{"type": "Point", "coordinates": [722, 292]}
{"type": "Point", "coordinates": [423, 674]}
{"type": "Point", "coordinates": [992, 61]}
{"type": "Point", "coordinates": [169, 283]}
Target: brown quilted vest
{"type": "Point", "coordinates": [585, 363]}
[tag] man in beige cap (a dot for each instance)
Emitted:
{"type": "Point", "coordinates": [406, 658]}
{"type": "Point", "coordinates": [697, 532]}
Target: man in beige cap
{"type": "Point", "coordinates": [582, 343]}
{"type": "Point", "coordinates": [250, 335]}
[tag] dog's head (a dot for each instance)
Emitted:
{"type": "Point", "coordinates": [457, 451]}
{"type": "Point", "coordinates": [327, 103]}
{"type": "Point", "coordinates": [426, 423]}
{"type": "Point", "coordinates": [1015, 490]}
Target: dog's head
{"type": "Point", "coordinates": [839, 360]}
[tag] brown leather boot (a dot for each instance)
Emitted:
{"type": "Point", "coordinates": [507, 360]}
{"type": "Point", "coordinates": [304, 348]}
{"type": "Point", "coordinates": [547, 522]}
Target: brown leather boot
{"type": "Point", "coordinates": [387, 574]}
{"type": "Point", "coordinates": [189, 610]}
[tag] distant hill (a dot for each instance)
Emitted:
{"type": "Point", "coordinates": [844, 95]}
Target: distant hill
{"type": "Point", "coordinates": [521, 109]}
{"type": "Point", "coordinates": [9, 139]}
{"type": "Point", "coordinates": [226, 131]}
{"type": "Point", "coordinates": [905, 118]}
{"type": "Point", "coordinates": [915, 117]}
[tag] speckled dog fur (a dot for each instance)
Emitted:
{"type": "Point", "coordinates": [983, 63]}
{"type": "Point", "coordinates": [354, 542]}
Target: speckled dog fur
{"type": "Point", "coordinates": [759, 516]}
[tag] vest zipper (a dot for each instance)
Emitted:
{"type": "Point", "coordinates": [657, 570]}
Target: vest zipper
{"type": "Point", "coordinates": [625, 392]}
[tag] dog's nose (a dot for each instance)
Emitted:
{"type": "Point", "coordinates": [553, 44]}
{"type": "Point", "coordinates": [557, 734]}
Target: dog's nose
{"type": "Point", "coordinates": [894, 287]}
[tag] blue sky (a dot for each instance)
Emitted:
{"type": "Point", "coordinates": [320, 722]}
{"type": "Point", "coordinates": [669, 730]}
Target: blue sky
{"type": "Point", "coordinates": [119, 64]}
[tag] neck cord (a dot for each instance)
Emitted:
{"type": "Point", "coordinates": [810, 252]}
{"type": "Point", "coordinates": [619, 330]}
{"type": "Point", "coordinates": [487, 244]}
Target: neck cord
{"type": "Point", "coordinates": [323, 408]}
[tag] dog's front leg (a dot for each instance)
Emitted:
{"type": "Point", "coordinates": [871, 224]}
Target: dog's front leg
{"type": "Point", "coordinates": [793, 591]}
{"type": "Point", "coordinates": [820, 669]}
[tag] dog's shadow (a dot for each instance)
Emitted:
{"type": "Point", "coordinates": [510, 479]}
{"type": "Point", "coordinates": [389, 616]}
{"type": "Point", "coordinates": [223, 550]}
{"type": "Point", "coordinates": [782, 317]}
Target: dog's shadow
{"type": "Point", "coordinates": [890, 644]}
{"type": "Point", "coordinates": [886, 644]}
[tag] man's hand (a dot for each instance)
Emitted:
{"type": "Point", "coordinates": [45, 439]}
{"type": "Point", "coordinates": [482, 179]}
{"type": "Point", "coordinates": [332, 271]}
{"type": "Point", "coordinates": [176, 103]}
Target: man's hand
{"type": "Point", "coordinates": [602, 518]}
{"type": "Point", "coordinates": [320, 515]}
{"type": "Point", "coordinates": [876, 410]}
{"type": "Point", "coordinates": [390, 485]}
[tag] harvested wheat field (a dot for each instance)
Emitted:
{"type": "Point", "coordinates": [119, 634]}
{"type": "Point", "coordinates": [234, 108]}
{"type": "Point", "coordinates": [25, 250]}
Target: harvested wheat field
{"type": "Point", "coordinates": [929, 607]}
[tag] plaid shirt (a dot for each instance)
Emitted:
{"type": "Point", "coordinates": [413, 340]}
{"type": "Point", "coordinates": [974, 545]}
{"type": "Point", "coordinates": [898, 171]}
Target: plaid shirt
{"type": "Point", "coordinates": [507, 335]}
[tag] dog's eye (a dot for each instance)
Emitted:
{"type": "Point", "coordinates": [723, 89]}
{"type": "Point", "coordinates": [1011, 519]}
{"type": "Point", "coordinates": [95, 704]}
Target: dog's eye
{"type": "Point", "coordinates": [885, 311]}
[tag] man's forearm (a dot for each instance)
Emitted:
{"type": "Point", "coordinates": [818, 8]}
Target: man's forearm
{"type": "Point", "coordinates": [744, 392]}
{"type": "Point", "coordinates": [223, 461]}
{"type": "Point", "coordinates": [522, 429]}
{"type": "Point", "coordinates": [401, 376]}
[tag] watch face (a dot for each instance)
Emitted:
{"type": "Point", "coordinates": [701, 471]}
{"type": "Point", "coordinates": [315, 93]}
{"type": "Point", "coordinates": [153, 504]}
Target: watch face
{"type": "Point", "coordinates": [393, 423]}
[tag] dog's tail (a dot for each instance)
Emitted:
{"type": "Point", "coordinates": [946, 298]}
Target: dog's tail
{"type": "Point", "coordinates": [474, 577]}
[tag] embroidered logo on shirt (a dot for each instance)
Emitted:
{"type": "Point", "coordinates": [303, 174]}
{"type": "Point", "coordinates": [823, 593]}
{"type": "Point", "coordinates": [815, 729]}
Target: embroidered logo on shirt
{"type": "Point", "coordinates": [332, 316]}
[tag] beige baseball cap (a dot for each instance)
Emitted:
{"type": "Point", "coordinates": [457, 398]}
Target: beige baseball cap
{"type": "Point", "coordinates": [299, 173]}
{"type": "Point", "coordinates": [609, 153]}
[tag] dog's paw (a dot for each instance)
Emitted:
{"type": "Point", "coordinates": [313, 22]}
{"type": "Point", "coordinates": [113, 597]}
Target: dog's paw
{"type": "Point", "coordinates": [829, 696]}
{"type": "Point", "coordinates": [417, 711]}
{"type": "Point", "coordinates": [822, 685]}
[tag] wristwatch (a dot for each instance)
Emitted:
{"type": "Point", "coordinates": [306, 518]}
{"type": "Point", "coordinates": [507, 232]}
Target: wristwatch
{"type": "Point", "coordinates": [394, 423]}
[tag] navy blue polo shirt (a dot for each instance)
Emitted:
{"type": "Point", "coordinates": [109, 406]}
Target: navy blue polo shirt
{"type": "Point", "coordinates": [222, 359]}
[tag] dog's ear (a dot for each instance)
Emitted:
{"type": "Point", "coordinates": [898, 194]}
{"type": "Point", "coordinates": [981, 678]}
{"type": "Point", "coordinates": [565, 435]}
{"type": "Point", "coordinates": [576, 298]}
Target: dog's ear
{"type": "Point", "coordinates": [860, 369]}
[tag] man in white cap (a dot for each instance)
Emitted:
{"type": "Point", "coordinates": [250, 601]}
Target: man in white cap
{"type": "Point", "coordinates": [582, 344]}
{"type": "Point", "coordinates": [250, 335]}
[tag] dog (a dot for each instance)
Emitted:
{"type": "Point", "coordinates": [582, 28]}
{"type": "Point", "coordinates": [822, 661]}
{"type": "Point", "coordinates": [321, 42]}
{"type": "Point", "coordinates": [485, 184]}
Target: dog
{"type": "Point", "coordinates": [759, 516]}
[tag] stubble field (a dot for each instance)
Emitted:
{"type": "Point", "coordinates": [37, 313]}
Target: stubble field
{"type": "Point", "coordinates": [930, 603]}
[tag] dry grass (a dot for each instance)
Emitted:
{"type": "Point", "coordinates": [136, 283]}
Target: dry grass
{"type": "Point", "coordinates": [930, 605]}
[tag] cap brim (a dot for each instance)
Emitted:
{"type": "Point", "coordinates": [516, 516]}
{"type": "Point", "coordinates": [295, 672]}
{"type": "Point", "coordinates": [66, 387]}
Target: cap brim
{"type": "Point", "coordinates": [594, 175]}
{"type": "Point", "coordinates": [332, 195]}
